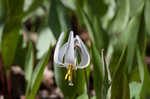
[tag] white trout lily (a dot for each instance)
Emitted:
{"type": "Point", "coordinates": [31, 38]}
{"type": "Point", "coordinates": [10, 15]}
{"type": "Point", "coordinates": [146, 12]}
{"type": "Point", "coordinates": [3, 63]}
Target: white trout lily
{"type": "Point", "coordinates": [66, 55]}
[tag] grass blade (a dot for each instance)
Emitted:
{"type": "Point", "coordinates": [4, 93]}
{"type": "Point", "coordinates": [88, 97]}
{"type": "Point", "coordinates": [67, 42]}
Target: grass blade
{"type": "Point", "coordinates": [38, 74]}
{"type": "Point", "coordinates": [29, 63]}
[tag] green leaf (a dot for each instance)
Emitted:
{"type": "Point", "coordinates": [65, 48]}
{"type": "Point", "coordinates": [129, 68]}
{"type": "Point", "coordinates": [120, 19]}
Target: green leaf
{"type": "Point", "coordinates": [135, 89]}
{"type": "Point", "coordinates": [110, 14]}
{"type": "Point", "coordinates": [89, 25]}
{"type": "Point", "coordinates": [31, 5]}
{"type": "Point", "coordinates": [135, 6]}
{"type": "Point", "coordinates": [129, 37]}
{"type": "Point", "coordinates": [11, 31]}
{"type": "Point", "coordinates": [64, 18]}
{"type": "Point", "coordinates": [58, 18]}
{"type": "Point", "coordinates": [120, 85]}
{"type": "Point", "coordinates": [133, 36]}
{"type": "Point", "coordinates": [122, 16]}
{"type": "Point", "coordinates": [147, 16]}
{"type": "Point", "coordinates": [83, 96]}
{"type": "Point", "coordinates": [45, 39]}
{"type": "Point", "coordinates": [144, 76]}
{"type": "Point", "coordinates": [14, 11]}
{"type": "Point", "coordinates": [120, 81]}
{"type": "Point", "coordinates": [2, 11]}
{"type": "Point", "coordinates": [98, 75]}
{"type": "Point", "coordinates": [38, 74]}
{"type": "Point", "coordinates": [118, 69]}
{"type": "Point", "coordinates": [96, 33]}
{"type": "Point", "coordinates": [70, 92]}
{"type": "Point", "coordinates": [53, 15]}
{"type": "Point", "coordinates": [134, 76]}
{"type": "Point", "coordinates": [70, 3]}
{"type": "Point", "coordinates": [96, 7]}
{"type": "Point", "coordinates": [20, 52]}
{"type": "Point", "coordinates": [29, 63]}
{"type": "Point", "coordinates": [116, 61]}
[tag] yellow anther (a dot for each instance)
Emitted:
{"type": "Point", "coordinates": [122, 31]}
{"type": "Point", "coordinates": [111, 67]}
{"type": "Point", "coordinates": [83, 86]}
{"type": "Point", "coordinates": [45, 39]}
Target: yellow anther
{"type": "Point", "coordinates": [66, 76]}
{"type": "Point", "coordinates": [69, 73]}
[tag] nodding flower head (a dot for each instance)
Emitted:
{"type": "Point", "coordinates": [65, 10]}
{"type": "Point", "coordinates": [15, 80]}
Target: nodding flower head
{"type": "Point", "coordinates": [66, 55]}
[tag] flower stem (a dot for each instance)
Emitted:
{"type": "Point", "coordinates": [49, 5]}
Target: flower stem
{"type": "Point", "coordinates": [87, 83]}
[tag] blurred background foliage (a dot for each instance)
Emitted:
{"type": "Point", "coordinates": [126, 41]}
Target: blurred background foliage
{"type": "Point", "coordinates": [29, 30]}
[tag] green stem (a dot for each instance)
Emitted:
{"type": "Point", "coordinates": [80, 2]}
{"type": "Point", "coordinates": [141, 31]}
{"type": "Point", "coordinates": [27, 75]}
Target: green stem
{"type": "Point", "coordinates": [87, 84]}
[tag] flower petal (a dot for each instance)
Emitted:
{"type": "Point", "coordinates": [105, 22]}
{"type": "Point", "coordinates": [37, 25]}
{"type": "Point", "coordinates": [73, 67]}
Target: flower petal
{"type": "Point", "coordinates": [62, 52]}
{"type": "Point", "coordinates": [56, 53]}
{"type": "Point", "coordinates": [69, 55]}
{"type": "Point", "coordinates": [85, 58]}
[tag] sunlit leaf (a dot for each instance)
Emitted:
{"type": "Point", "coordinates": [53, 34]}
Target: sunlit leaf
{"type": "Point", "coordinates": [70, 3]}
{"type": "Point", "coordinates": [45, 39]}
{"type": "Point", "coordinates": [135, 88]}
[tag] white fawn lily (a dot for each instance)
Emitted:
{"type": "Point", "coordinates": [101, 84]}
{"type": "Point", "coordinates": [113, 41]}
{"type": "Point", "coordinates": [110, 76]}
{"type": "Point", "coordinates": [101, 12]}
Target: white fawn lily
{"type": "Point", "coordinates": [66, 55]}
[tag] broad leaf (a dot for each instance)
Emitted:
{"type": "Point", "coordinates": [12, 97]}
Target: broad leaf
{"type": "Point", "coordinates": [11, 30]}
{"type": "Point", "coordinates": [45, 39]}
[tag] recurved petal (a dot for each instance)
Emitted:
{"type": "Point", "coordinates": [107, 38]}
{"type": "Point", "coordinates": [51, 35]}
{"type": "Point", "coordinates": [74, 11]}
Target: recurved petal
{"type": "Point", "coordinates": [57, 50]}
{"type": "Point", "coordinates": [69, 55]}
{"type": "Point", "coordinates": [85, 58]}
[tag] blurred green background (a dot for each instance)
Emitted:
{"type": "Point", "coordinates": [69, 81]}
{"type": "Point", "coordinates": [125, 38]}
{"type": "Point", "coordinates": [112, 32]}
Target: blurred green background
{"type": "Point", "coordinates": [29, 30]}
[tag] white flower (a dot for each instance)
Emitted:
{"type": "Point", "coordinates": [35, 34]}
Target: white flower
{"type": "Point", "coordinates": [66, 55]}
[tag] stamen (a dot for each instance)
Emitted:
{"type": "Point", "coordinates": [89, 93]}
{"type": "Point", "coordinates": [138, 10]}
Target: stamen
{"type": "Point", "coordinates": [68, 75]}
